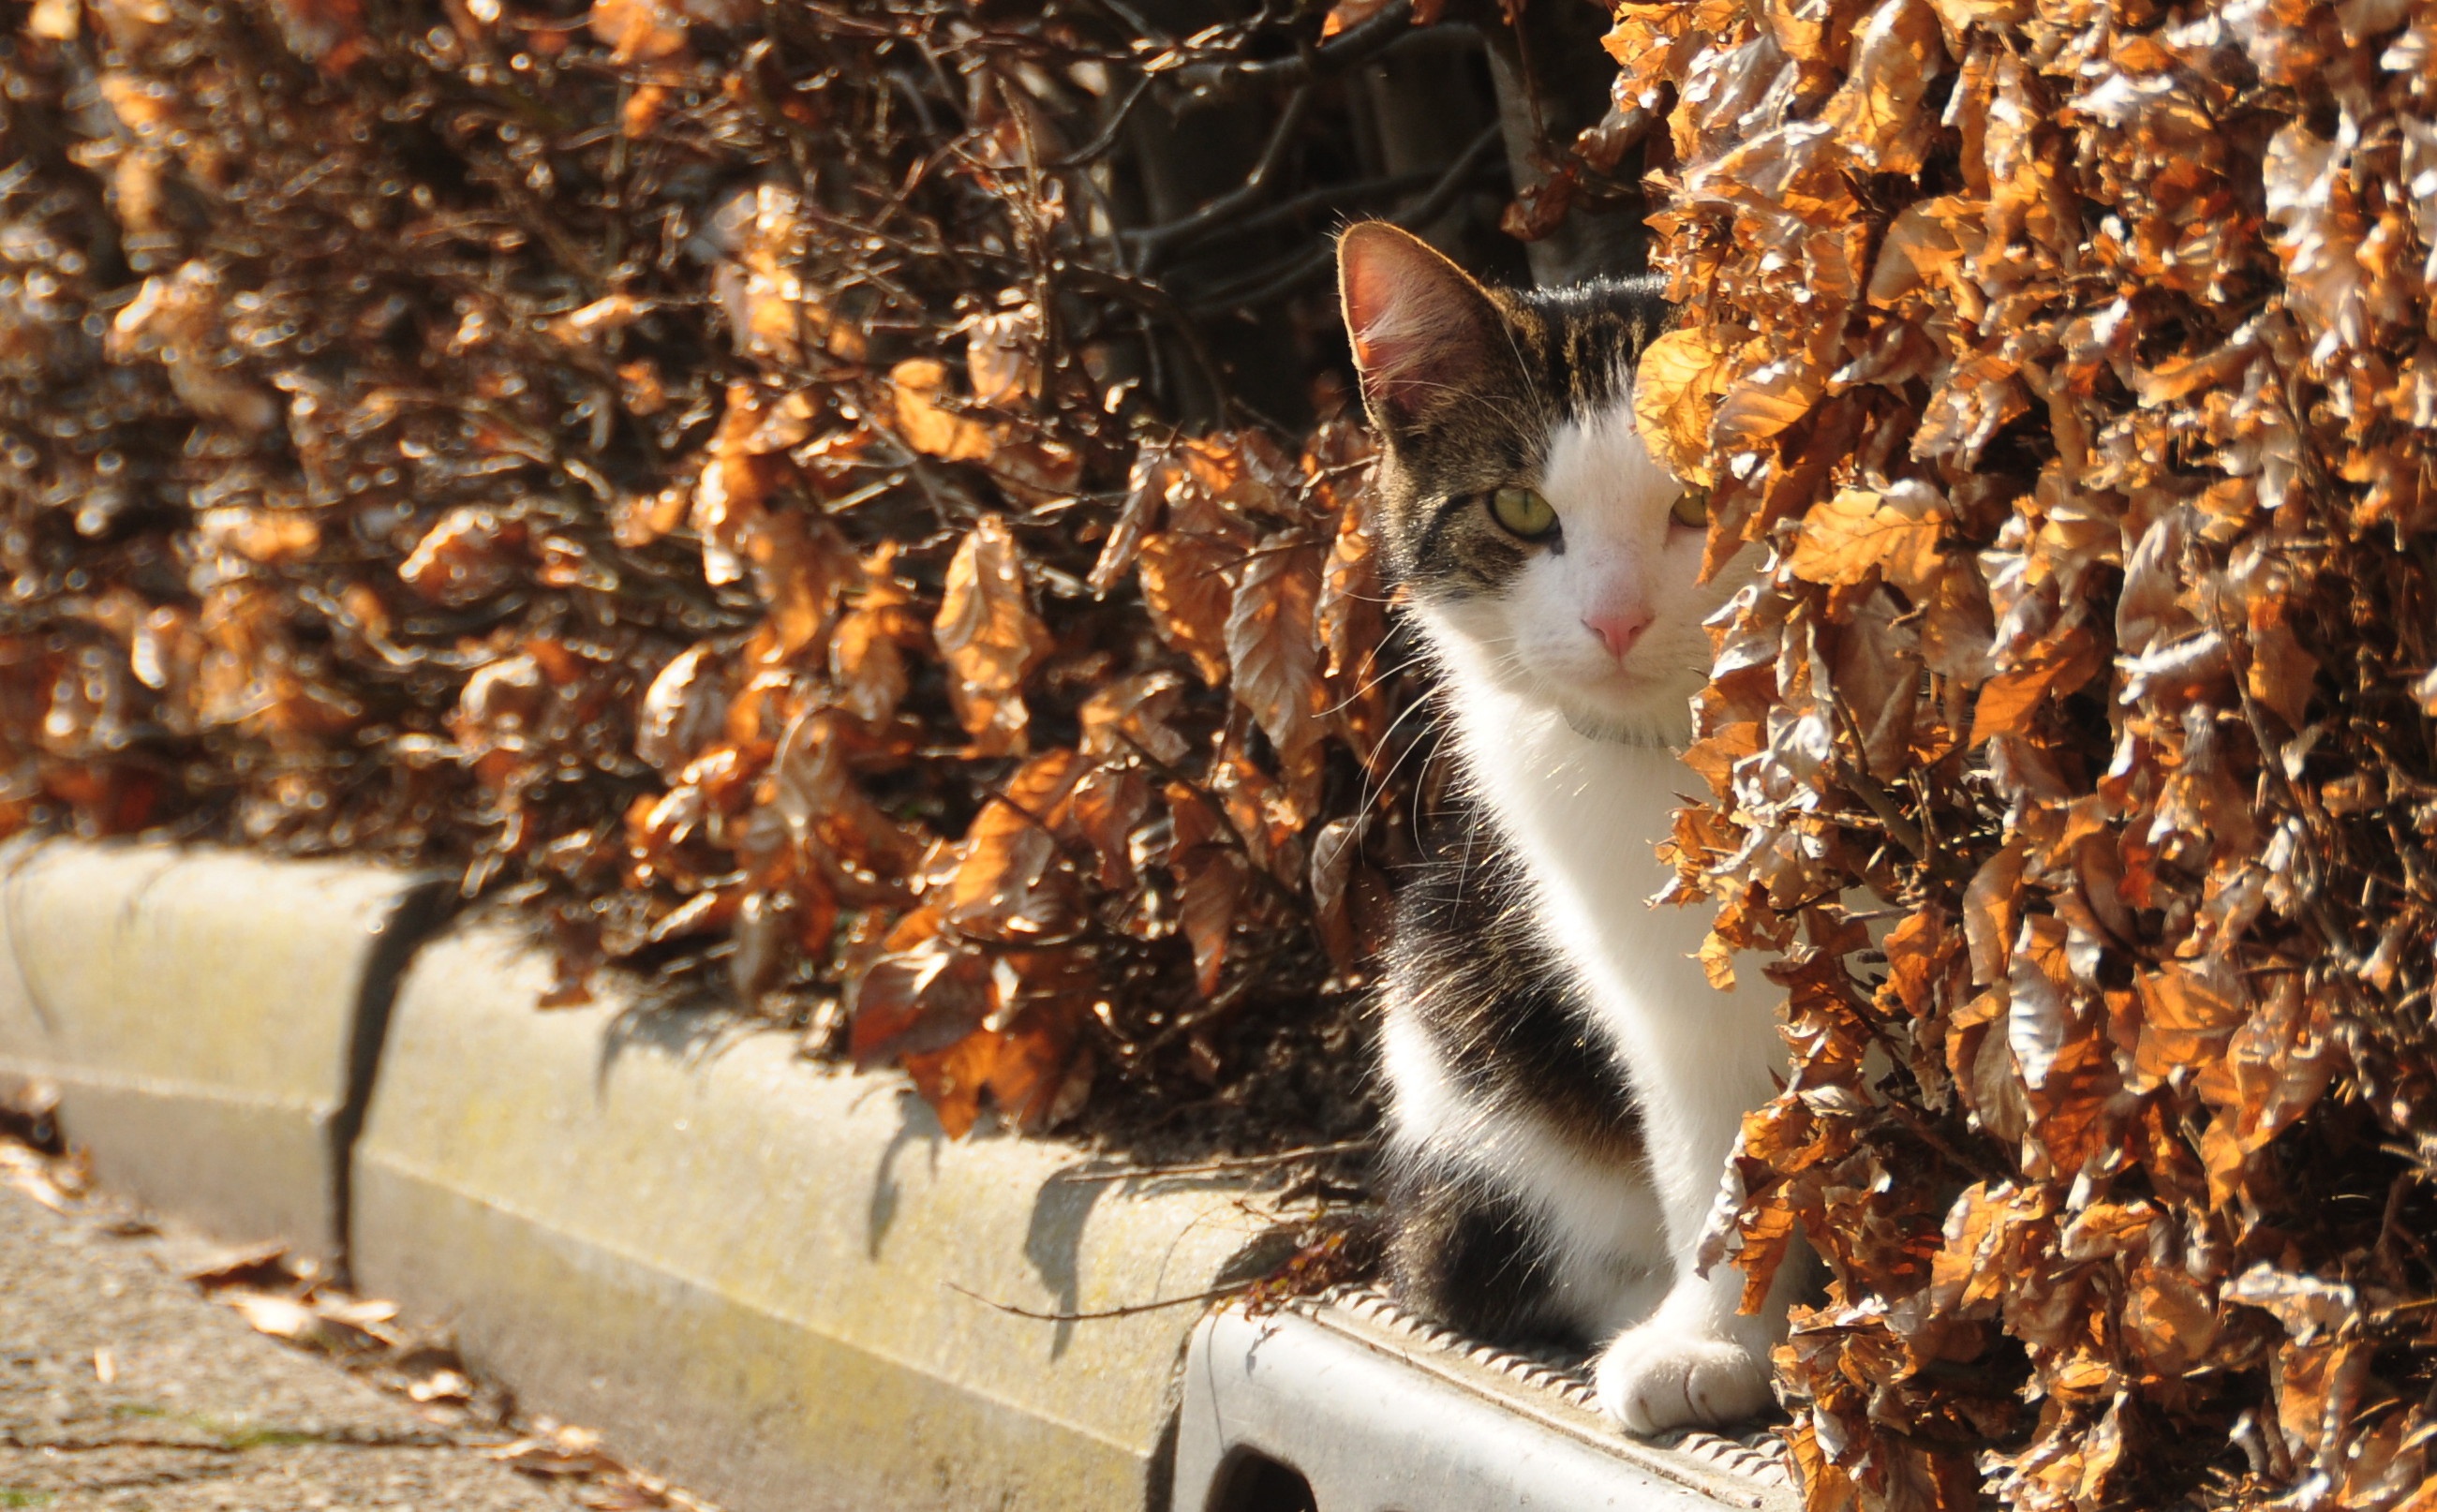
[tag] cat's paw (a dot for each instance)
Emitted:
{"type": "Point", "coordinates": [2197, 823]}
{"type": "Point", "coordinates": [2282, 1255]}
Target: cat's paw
{"type": "Point", "coordinates": [1658, 1376]}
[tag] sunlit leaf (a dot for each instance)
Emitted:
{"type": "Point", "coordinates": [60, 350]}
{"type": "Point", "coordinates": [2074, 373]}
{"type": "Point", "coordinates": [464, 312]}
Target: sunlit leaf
{"type": "Point", "coordinates": [1185, 584]}
{"type": "Point", "coordinates": [929, 426]}
{"type": "Point", "coordinates": [1274, 655]}
{"type": "Point", "coordinates": [1675, 394]}
{"type": "Point", "coordinates": [1858, 531]}
{"type": "Point", "coordinates": [988, 636]}
{"type": "Point", "coordinates": [1006, 884]}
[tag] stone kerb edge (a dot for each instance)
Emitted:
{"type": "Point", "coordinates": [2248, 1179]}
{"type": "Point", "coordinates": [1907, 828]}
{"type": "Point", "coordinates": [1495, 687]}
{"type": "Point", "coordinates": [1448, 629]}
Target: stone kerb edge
{"type": "Point", "coordinates": [25, 1056]}
{"type": "Point", "coordinates": [210, 1019]}
{"type": "Point", "coordinates": [777, 1282]}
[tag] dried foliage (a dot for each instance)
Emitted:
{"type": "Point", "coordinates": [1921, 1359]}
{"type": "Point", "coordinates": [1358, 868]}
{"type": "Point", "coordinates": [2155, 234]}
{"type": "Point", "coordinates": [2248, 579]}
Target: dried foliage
{"type": "Point", "coordinates": [2073, 366]}
{"type": "Point", "coordinates": [788, 490]}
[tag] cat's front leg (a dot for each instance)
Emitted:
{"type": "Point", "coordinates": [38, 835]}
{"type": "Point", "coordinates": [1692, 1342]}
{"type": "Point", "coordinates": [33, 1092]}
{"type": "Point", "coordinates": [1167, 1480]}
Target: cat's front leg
{"type": "Point", "coordinates": [1698, 1360]}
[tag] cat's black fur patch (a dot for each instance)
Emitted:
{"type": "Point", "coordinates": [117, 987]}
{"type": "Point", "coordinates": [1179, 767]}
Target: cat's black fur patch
{"type": "Point", "coordinates": [1508, 1023]}
{"type": "Point", "coordinates": [1472, 963]}
{"type": "Point", "coordinates": [1470, 1260]}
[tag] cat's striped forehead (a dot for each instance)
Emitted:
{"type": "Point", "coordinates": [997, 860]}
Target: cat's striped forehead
{"type": "Point", "coordinates": [1568, 361]}
{"type": "Point", "coordinates": [1579, 345]}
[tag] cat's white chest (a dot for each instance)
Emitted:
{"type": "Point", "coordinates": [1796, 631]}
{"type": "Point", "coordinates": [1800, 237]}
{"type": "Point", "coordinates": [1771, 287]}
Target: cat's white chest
{"type": "Point", "coordinates": [1585, 817]}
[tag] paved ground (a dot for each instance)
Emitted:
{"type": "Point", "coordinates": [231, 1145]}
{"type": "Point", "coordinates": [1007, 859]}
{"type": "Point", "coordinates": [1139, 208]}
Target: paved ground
{"type": "Point", "coordinates": [200, 1411]}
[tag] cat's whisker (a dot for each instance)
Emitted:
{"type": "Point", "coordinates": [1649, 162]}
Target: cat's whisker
{"type": "Point", "coordinates": [1407, 665]}
{"type": "Point", "coordinates": [1434, 725]}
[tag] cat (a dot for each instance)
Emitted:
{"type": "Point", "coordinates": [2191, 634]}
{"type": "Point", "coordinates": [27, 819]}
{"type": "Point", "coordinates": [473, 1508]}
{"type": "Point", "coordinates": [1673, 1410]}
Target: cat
{"type": "Point", "coordinates": [1564, 1085]}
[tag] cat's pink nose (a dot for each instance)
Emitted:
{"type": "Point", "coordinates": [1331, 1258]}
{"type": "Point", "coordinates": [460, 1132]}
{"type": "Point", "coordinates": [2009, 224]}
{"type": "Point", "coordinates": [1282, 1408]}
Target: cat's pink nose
{"type": "Point", "coordinates": [1618, 631]}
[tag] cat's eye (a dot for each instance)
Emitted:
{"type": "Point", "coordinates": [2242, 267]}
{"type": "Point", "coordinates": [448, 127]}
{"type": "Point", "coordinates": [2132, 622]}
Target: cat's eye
{"type": "Point", "coordinates": [1523, 512]}
{"type": "Point", "coordinates": [1691, 508]}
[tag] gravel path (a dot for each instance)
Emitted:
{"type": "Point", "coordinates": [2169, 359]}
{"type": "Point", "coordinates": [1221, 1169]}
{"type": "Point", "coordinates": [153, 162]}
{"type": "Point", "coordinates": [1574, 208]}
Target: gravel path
{"type": "Point", "coordinates": [199, 1410]}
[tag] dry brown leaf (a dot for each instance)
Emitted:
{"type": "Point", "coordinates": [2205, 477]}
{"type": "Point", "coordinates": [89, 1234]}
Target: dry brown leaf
{"type": "Point", "coordinates": [464, 557]}
{"type": "Point", "coordinates": [2009, 701]}
{"type": "Point", "coordinates": [1000, 355]}
{"type": "Point", "coordinates": [1153, 475]}
{"type": "Point", "coordinates": [586, 326]}
{"type": "Point", "coordinates": [686, 705]}
{"type": "Point", "coordinates": [638, 30]}
{"type": "Point", "coordinates": [1538, 209]}
{"type": "Point", "coordinates": [1350, 14]}
{"type": "Point", "coordinates": [988, 636]}
{"type": "Point", "coordinates": [268, 536]}
{"type": "Point", "coordinates": [1336, 850]}
{"type": "Point", "coordinates": [1350, 617]}
{"type": "Point", "coordinates": [2281, 674]}
{"type": "Point", "coordinates": [1213, 882]}
{"type": "Point", "coordinates": [1877, 114]}
{"type": "Point", "coordinates": [1005, 886]}
{"type": "Point", "coordinates": [1894, 533]}
{"type": "Point", "coordinates": [1989, 910]}
{"type": "Point", "coordinates": [568, 1454]}
{"type": "Point", "coordinates": [1185, 584]}
{"type": "Point", "coordinates": [1674, 394]}
{"type": "Point", "coordinates": [1273, 656]}
{"type": "Point", "coordinates": [1764, 402]}
{"type": "Point", "coordinates": [927, 425]}
{"type": "Point", "coordinates": [922, 995]}
{"type": "Point", "coordinates": [1108, 806]}
{"type": "Point", "coordinates": [1133, 715]}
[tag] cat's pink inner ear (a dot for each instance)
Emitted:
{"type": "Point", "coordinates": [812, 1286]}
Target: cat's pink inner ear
{"type": "Point", "coordinates": [1422, 329]}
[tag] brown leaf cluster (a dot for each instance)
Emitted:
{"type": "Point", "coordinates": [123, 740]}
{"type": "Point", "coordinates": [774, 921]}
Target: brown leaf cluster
{"type": "Point", "coordinates": [720, 475]}
{"type": "Point", "coordinates": [2069, 368]}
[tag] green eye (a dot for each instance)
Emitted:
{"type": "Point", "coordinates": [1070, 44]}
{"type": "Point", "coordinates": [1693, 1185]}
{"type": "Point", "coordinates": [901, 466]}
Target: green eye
{"type": "Point", "coordinates": [1523, 512]}
{"type": "Point", "coordinates": [1691, 508]}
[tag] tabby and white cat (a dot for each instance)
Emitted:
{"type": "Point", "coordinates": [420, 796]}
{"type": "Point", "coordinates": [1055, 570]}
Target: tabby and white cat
{"type": "Point", "coordinates": [1563, 1085]}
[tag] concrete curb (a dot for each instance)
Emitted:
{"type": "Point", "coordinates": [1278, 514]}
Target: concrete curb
{"type": "Point", "coordinates": [210, 1019]}
{"type": "Point", "coordinates": [768, 1279]}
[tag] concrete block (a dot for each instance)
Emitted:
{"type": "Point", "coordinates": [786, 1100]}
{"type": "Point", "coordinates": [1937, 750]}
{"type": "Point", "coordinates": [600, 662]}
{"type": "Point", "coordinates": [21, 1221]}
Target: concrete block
{"type": "Point", "coordinates": [199, 1012]}
{"type": "Point", "coordinates": [24, 1036]}
{"type": "Point", "coordinates": [771, 1280]}
{"type": "Point", "coordinates": [1350, 1405]}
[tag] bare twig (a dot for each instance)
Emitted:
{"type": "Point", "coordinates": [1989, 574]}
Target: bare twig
{"type": "Point", "coordinates": [1206, 1167]}
{"type": "Point", "coordinates": [1152, 242]}
{"type": "Point", "coordinates": [1134, 1310]}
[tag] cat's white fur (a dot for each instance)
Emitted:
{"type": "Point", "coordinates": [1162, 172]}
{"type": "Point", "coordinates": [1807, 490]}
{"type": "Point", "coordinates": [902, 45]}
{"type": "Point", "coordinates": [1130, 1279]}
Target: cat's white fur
{"type": "Point", "coordinates": [1570, 750]}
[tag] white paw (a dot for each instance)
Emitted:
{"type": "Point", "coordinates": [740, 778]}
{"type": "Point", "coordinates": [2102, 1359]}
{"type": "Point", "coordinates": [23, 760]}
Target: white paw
{"type": "Point", "coordinates": [1658, 1376]}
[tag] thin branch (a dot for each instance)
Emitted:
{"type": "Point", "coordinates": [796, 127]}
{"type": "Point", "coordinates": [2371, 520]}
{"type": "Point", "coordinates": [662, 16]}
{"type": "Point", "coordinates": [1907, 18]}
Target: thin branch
{"type": "Point", "coordinates": [1108, 134]}
{"type": "Point", "coordinates": [1322, 197]}
{"type": "Point", "coordinates": [1132, 20]}
{"type": "Point", "coordinates": [1206, 1167]}
{"type": "Point", "coordinates": [1271, 282]}
{"type": "Point", "coordinates": [1154, 304]}
{"type": "Point", "coordinates": [1137, 1308]}
{"type": "Point", "coordinates": [1356, 44]}
{"type": "Point", "coordinates": [1857, 781]}
{"type": "Point", "coordinates": [1150, 242]}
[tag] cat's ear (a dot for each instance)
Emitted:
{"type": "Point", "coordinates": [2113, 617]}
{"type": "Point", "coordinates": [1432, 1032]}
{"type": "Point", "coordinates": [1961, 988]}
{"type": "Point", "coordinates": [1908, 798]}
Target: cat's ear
{"type": "Point", "coordinates": [1424, 332]}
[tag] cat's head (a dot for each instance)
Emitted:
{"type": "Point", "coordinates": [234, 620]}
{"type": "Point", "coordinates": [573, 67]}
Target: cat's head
{"type": "Point", "coordinates": [1535, 539]}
